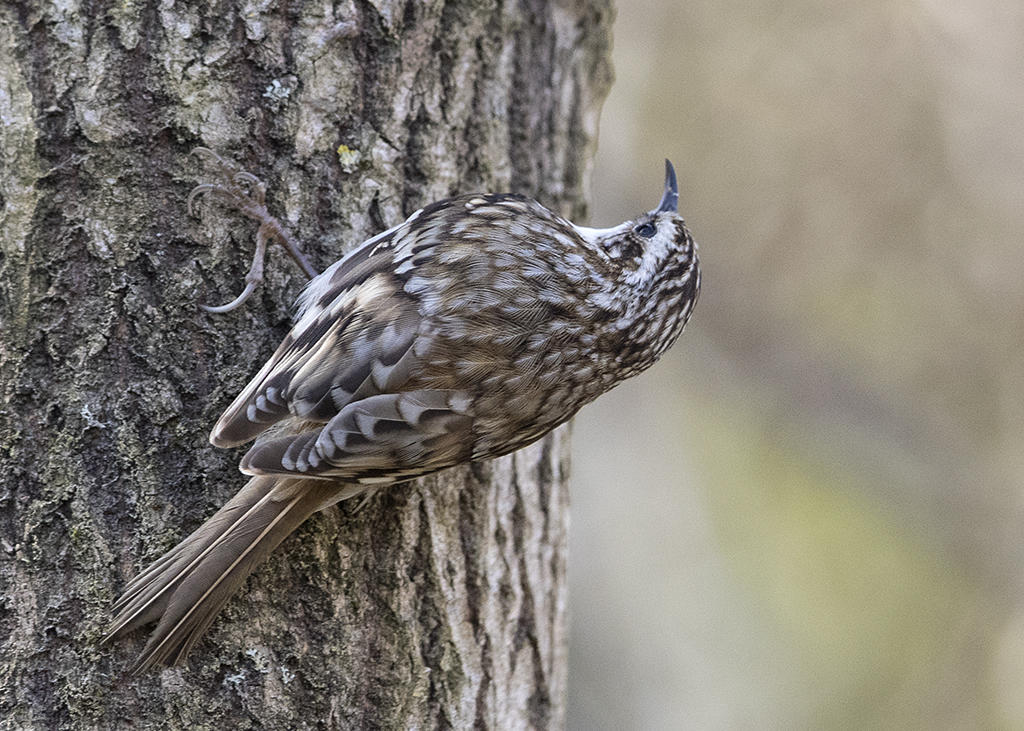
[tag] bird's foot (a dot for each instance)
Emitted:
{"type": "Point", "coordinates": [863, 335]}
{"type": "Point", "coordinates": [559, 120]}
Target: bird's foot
{"type": "Point", "coordinates": [247, 193]}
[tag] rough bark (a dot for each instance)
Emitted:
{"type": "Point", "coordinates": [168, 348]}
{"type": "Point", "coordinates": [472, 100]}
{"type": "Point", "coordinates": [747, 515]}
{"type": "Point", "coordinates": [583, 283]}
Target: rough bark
{"type": "Point", "coordinates": [440, 604]}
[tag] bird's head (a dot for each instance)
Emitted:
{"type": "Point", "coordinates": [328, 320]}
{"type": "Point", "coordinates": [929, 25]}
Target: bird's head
{"type": "Point", "coordinates": [654, 256]}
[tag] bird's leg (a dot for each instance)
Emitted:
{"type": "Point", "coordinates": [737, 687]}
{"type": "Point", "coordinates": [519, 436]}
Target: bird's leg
{"type": "Point", "coordinates": [247, 193]}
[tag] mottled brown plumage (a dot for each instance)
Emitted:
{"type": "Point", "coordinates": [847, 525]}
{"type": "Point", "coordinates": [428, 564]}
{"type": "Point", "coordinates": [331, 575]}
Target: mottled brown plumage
{"type": "Point", "coordinates": [470, 330]}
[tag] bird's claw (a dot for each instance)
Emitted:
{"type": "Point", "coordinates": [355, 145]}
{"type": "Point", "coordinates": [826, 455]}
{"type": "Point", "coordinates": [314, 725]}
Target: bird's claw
{"type": "Point", "coordinates": [250, 287]}
{"type": "Point", "coordinates": [196, 192]}
{"type": "Point", "coordinates": [244, 191]}
{"type": "Point", "coordinates": [238, 187]}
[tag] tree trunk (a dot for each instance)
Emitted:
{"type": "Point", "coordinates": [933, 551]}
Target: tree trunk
{"type": "Point", "coordinates": [441, 603]}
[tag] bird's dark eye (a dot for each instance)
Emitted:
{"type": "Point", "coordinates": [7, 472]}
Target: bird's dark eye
{"type": "Point", "coordinates": [647, 230]}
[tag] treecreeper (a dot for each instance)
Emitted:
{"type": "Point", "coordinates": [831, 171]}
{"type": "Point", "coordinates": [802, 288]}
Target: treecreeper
{"type": "Point", "coordinates": [471, 329]}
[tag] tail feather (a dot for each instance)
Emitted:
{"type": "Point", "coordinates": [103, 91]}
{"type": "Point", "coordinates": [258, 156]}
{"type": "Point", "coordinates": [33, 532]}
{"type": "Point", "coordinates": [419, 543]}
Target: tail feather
{"type": "Point", "coordinates": [185, 589]}
{"type": "Point", "coordinates": [145, 597]}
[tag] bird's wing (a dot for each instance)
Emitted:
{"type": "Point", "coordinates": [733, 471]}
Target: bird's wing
{"type": "Point", "coordinates": [353, 337]}
{"type": "Point", "coordinates": [383, 438]}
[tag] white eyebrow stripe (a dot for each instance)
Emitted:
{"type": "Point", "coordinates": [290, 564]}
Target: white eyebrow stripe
{"type": "Point", "coordinates": [593, 234]}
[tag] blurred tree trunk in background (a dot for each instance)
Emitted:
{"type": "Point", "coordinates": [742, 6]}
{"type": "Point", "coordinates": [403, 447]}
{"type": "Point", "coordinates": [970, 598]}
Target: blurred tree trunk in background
{"type": "Point", "coordinates": [440, 604]}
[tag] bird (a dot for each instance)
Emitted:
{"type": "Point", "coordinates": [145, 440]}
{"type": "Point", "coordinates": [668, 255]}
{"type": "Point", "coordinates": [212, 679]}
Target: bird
{"type": "Point", "coordinates": [468, 331]}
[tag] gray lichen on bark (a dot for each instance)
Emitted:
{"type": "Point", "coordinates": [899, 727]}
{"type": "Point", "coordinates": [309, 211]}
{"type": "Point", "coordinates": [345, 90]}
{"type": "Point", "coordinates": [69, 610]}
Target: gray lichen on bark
{"type": "Point", "coordinates": [442, 603]}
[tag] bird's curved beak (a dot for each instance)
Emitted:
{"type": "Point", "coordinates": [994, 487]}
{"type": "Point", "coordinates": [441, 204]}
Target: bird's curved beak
{"type": "Point", "coordinates": [670, 199]}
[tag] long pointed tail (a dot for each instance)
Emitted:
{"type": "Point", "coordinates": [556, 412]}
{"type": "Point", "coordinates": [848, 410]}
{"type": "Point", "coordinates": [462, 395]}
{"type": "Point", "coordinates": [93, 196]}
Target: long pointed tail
{"type": "Point", "coordinates": [185, 589]}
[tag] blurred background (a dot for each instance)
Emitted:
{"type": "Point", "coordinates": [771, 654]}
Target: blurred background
{"type": "Point", "coordinates": [809, 514]}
